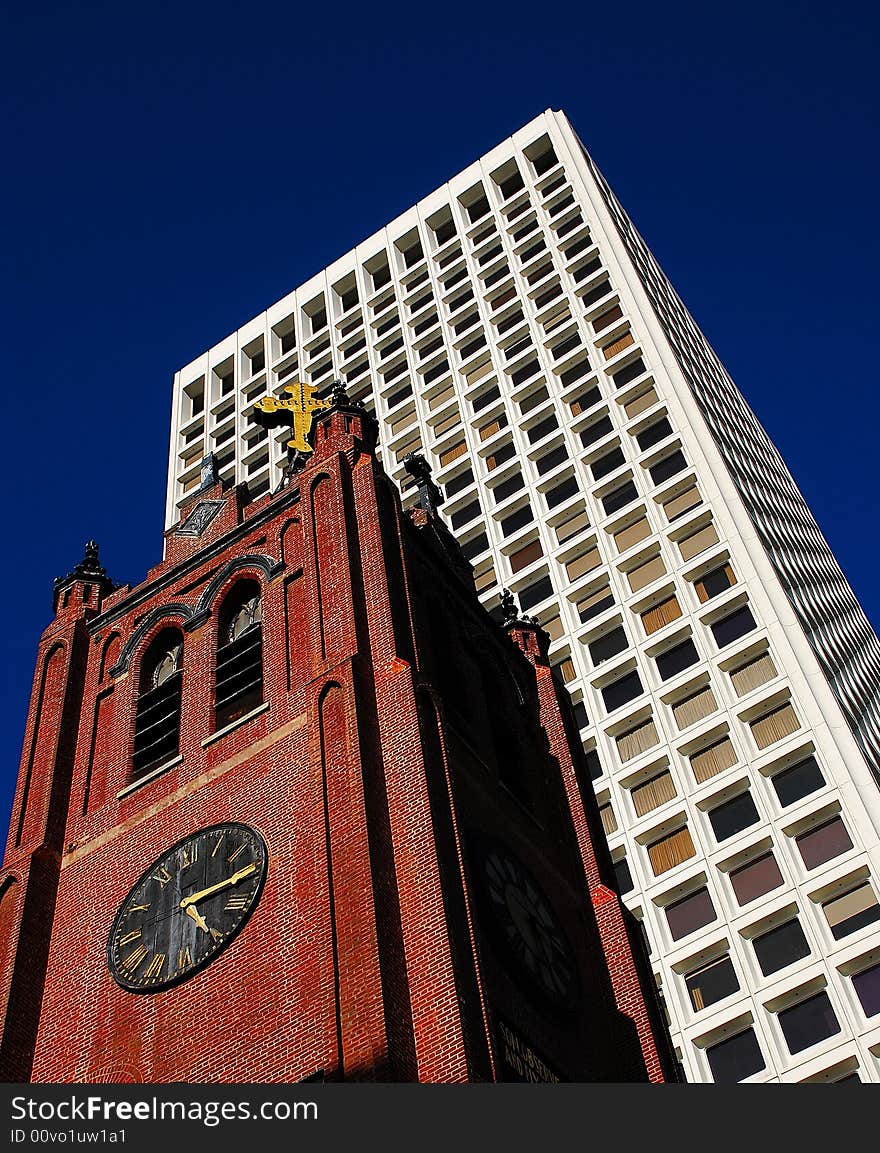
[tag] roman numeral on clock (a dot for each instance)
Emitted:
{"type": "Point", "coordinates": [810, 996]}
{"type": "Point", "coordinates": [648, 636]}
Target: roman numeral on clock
{"type": "Point", "coordinates": [184, 958]}
{"type": "Point", "coordinates": [236, 903]}
{"type": "Point", "coordinates": [162, 876]}
{"type": "Point", "coordinates": [134, 958]}
{"type": "Point", "coordinates": [132, 936]}
{"type": "Point", "coordinates": [189, 854]}
{"type": "Point", "coordinates": [154, 969]}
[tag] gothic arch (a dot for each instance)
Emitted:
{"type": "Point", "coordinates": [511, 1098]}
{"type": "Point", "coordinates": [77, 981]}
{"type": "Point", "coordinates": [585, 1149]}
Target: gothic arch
{"type": "Point", "coordinates": [147, 625]}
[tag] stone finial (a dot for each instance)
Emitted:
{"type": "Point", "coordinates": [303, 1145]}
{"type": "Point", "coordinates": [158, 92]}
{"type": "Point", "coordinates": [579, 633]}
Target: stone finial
{"type": "Point", "coordinates": [509, 607]}
{"type": "Point", "coordinates": [430, 495]}
{"type": "Point", "coordinates": [339, 397]}
{"type": "Point", "coordinates": [510, 614]}
{"type": "Point", "coordinates": [89, 569]}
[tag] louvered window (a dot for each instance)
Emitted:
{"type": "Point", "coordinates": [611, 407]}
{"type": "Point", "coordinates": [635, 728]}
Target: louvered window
{"type": "Point", "coordinates": [239, 683]}
{"type": "Point", "coordinates": [157, 719]}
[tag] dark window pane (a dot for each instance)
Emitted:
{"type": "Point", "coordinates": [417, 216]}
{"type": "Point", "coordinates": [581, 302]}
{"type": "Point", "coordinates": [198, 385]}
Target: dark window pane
{"type": "Point", "coordinates": [444, 232]}
{"type": "Point", "coordinates": [676, 659]}
{"type": "Point", "coordinates": [619, 497]}
{"type": "Point", "coordinates": [608, 646]}
{"type": "Point", "coordinates": [580, 714]}
{"type": "Point", "coordinates": [690, 913]}
{"type": "Point", "coordinates": [669, 466]}
{"type": "Point", "coordinates": [561, 492]}
{"type": "Point", "coordinates": [712, 983]}
{"type": "Point", "coordinates": [543, 428]}
{"type": "Point", "coordinates": [733, 816]}
{"type": "Point", "coordinates": [596, 431]}
{"type": "Point", "coordinates": [551, 459]}
{"type": "Point", "coordinates": [607, 463]}
{"type": "Point", "coordinates": [867, 987]}
{"type": "Point", "coordinates": [780, 947]}
{"type": "Point", "coordinates": [516, 520]}
{"type": "Point", "coordinates": [716, 581]}
{"type": "Point", "coordinates": [564, 346]}
{"type": "Point", "coordinates": [459, 483]}
{"type": "Point", "coordinates": [575, 373]}
{"type": "Point", "coordinates": [507, 487]}
{"type": "Point", "coordinates": [808, 1023]}
{"type": "Point", "coordinates": [539, 591]}
{"type": "Point", "coordinates": [512, 184]}
{"type": "Point", "coordinates": [653, 433]}
{"type": "Point", "coordinates": [468, 513]}
{"type": "Point", "coordinates": [479, 208]}
{"type": "Point", "coordinates": [522, 374]}
{"type": "Point", "coordinates": [579, 246]}
{"type": "Point", "coordinates": [619, 692]}
{"type": "Point", "coordinates": [593, 764]}
{"type": "Point", "coordinates": [820, 845]}
{"type": "Point", "coordinates": [733, 627]}
{"type": "Point", "coordinates": [545, 161]}
{"type": "Point", "coordinates": [586, 270]}
{"type": "Point", "coordinates": [623, 875]}
{"type": "Point", "coordinates": [798, 781]}
{"type": "Point", "coordinates": [501, 454]}
{"type": "Point", "coordinates": [736, 1058]}
{"type": "Point", "coordinates": [592, 608]}
{"type": "Point", "coordinates": [755, 879]}
{"type": "Point", "coordinates": [474, 547]}
{"type": "Point", "coordinates": [628, 372]}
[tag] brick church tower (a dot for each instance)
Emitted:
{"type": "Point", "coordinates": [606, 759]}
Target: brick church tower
{"type": "Point", "coordinates": [296, 807]}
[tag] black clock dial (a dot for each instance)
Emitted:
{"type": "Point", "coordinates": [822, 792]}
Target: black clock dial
{"type": "Point", "coordinates": [527, 926]}
{"type": "Point", "coordinates": [187, 907]}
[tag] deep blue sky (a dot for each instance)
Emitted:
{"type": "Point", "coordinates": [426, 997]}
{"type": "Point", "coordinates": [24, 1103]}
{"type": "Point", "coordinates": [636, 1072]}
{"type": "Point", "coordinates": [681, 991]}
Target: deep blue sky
{"type": "Point", "coordinates": [173, 169]}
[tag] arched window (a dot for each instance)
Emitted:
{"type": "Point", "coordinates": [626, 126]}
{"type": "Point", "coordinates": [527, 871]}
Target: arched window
{"type": "Point", "coordinates": [157, 723]}
{"type": "Point", "coordinates": [239, 654]}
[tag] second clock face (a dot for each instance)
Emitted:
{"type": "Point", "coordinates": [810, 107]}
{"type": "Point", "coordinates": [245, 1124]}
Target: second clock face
{"type": "Point", "coordinates": [187, 907]}
{"type": "Point", "coordinates": [532, 935]}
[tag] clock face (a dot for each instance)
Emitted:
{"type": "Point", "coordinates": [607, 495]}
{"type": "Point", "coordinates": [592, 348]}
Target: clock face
{"type": "Point", "coordinates": [528, 927]}
{"type": "Point", "coordinates": [187, 907]}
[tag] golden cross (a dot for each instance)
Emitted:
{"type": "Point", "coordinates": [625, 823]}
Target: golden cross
{"type": "Point", "coordinates": [302, 406]}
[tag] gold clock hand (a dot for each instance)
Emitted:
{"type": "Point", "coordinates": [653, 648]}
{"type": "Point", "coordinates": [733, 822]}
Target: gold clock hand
{"type": "Point", "coordinates": [233, 880]}
{"type": "Point", "coordinates": [192, 911]}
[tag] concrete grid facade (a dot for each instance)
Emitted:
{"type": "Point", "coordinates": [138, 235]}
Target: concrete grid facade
{"type": "Point", "coordinates": [598, 461]}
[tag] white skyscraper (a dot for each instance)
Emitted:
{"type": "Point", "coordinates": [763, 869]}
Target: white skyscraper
{"type": "Point", "coordinates": [598, 460]}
